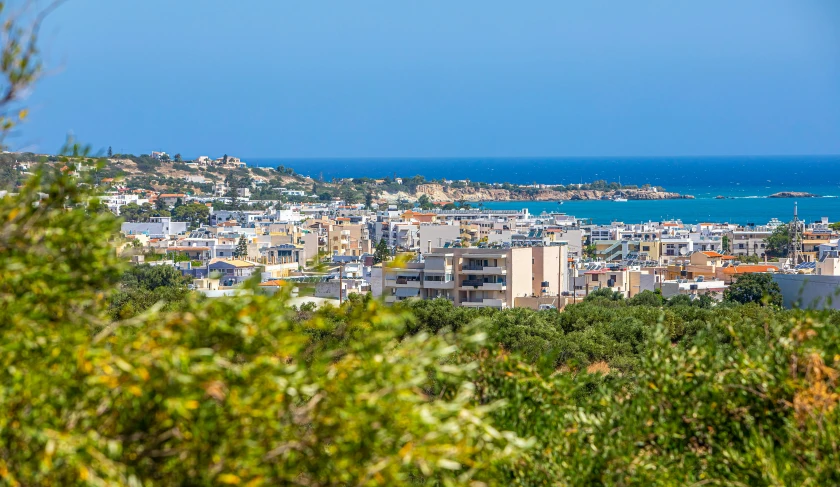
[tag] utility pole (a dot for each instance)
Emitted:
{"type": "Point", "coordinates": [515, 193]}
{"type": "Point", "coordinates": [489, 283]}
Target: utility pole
{"type": "Point", "coordinates": [340, 283]}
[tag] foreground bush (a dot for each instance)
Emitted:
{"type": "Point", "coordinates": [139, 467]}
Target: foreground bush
{"type": "Point", "coordinates": [217, 392]}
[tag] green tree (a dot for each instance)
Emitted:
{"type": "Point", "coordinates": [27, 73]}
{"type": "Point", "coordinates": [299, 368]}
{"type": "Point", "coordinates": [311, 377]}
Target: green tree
{"type": "Point", "coordinates": [241, 250]}
{"type": "Point", "coordinates": [778, 241]}
{"type": "Point", "coordinates": [754, 288]}
{"type": "Point", "coordinates": [144, 286]}
{"type": "Point", "coordinates": [425, 202]}
{"type": "Point", "coordinates": [195, 213]}
{"type": "Point", "coordinates": [178, 157]}
{"type": "Point", "coordinates": [646, 298]}
{"type": "Point", "coordinates": [604, 293]}
{"type": "Point", "coordinates": [368, 200]}
{"type": "Point", "coordinates": [160, 204]}
{"type": "Point", "coordinates": [381, 253]}
{"type": "Point", "coordinates": [724, 244]}
{"type": "Point", "coordinates": [132, 212]}
{"type": "Point", "coordinates": [110, 152]}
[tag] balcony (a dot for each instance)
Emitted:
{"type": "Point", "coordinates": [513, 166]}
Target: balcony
{"type": "Point", "coordinates": [479, 285]}
{"type": "Point", "coordinates": [403, 281]}
{"type": "Point", "coordinates": [485, 270]}
{"type": "Point", "coordinates": [439, 284]}
{"type": "Point", "coordinates": [484, 303]}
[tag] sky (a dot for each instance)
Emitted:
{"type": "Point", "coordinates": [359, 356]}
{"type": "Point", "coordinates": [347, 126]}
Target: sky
{"type": "Point", "coordinates": [440, 78]}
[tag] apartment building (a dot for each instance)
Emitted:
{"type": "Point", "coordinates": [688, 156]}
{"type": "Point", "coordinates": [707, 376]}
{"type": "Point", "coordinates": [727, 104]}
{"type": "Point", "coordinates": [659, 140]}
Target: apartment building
{"type": "Point", "coordinates": [480, 277]}
{"type": "Point", "coordinates": [345, 238]}
{"type": "Point", "coordinates": [750, 241]}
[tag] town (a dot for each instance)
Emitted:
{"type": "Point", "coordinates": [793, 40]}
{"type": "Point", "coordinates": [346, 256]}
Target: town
{"type": "Point", "coordinates": [328, 248]}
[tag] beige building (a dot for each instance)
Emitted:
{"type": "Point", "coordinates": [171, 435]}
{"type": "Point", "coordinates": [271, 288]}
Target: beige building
{"type": "Point", "coordinates": [478, 277]}
{"type": "Point", "coordinates": [348, 239]}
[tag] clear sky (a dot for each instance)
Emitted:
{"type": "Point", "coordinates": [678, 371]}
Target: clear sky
{"type": "Point", "coordinates": [313, 78]}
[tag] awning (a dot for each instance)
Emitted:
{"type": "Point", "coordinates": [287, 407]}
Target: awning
{"type": "Point", "coordinates": [407, 292]}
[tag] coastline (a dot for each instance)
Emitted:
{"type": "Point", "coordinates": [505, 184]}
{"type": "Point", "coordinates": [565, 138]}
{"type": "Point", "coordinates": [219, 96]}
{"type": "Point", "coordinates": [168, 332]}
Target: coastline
{"type": "Point", "coordinates": [438, 193]}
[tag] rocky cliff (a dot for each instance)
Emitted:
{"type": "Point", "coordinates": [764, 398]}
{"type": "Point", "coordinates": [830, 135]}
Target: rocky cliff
{"type": "Point", "coordinates": [436, 192]}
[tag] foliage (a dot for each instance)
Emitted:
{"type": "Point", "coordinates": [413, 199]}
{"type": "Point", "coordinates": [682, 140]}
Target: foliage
{"type": "Point", "coordinates": [241, 249]}
{"type": "Point", "coordinates": [778, 241]}
{"type": "Point", "coordinates": [144, 286]}
{"type": "Point", "coordinates": [750, 259]}
{"type": "Point", "coordinates": [381, 254]}
{"type": "Point", "coordinates": [754, 288]}
{"type": "Point", "coordinates": [223, 391]}
{"type": "Point", "coordinates": [195, 213]}
{"type": "Point", "coordinates": [132, 212]}
{"type": "Point", "coordinates": [646, 298]}
{"type": "Point", "coordinates": [605, 293]}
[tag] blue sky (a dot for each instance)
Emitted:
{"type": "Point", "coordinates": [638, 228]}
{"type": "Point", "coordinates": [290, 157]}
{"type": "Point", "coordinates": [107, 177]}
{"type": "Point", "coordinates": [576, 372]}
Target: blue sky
{"type": "Point", "coordinates": [435, 78]}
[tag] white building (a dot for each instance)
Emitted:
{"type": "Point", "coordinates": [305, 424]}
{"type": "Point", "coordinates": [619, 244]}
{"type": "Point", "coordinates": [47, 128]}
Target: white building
{"type": "Point", "coordinates": [156, 227]}
{"type": "Point", "coordinates": [114, 201]}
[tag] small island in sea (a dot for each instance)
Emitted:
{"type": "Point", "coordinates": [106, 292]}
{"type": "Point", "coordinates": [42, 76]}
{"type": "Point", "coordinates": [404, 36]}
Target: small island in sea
{"type": "Point", "coordinates": [794, 194]}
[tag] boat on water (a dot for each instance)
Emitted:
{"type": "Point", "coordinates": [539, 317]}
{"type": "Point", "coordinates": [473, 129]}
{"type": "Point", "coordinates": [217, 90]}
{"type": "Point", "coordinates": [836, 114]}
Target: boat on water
{"type": "Point", "coordinates": [620, 198]}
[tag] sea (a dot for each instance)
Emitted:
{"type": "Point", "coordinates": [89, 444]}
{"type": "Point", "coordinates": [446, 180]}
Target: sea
{"type": "Point", "coordinates": [745, 182]}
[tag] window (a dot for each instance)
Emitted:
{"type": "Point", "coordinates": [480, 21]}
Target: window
{"type": "Point", "coordinates": [740, 246]}
{"type": "Point", "coordinates": [646, 248]}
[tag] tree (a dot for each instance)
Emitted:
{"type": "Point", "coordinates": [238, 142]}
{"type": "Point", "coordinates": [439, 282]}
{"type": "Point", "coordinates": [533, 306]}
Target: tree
{"type": "Point", "coordinates": [778, 241]}
{"type": "Point", "coordinates": [110, 152]}
{"type": "Point", "coordinates": [425, 202]}
{"type": "Point", "coordinates": [241, 250]}
{"type": "Point", "coordinates": [381, 254]}
{"type": "Point", "coordinates": [144, 286]}
{"type": "Point", "coordinates": [604, 292]}
{"type": "Point", "coordinates": [835, 226]}
{"type": "Point", "coordinates": [192, 212]}
{"type": "Point", "coordinates": [724, 244]}
{"type": "Point", "coordinates": [164, 158]}
{"type": "Point", "coordinates": [754, 288]}
{"type": "Point", "coordinates": [160, 204]}
{"type": "Point", "coordinates": [225, 159]}
{"type": "Point", "coordinates": [368, 200]}
{"type": "Point", "coordinates": [646, 298]}
{"type": "Point", "coordinates": [178, 157]}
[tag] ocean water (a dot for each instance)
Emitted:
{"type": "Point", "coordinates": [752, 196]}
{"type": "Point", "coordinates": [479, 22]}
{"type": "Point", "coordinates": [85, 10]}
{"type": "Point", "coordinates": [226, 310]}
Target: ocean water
{"type": "Point", "coordinates": [745, 181]}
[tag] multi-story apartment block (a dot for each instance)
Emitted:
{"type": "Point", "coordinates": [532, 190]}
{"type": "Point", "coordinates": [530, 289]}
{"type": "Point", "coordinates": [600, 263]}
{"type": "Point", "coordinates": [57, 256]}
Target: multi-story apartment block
{"type": "Point", "coordinates": [749, 241]}
{"type": "Point", "coordinates": [480, 277]}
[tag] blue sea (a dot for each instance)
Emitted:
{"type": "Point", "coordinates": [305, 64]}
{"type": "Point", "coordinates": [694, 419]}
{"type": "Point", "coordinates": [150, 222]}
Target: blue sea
{"type": "Point", "coordinates": [745, 181]}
